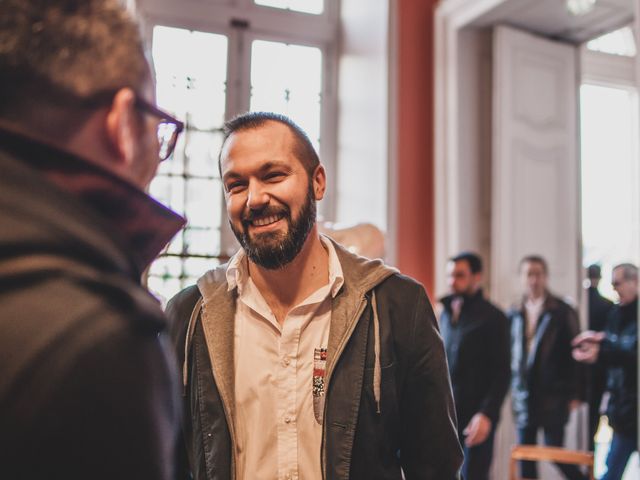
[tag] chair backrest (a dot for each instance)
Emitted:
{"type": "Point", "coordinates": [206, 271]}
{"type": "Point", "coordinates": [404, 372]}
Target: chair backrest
{"type": "Point", "coordinates": [549, 454]}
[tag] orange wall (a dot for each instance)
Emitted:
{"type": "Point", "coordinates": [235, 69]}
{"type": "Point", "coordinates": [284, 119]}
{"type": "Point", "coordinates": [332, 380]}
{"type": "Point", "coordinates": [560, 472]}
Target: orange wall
{"type": "Point", "coordinates": [415, 215]}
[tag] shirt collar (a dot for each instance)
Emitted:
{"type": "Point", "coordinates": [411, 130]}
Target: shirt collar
{"type": "Point", "coordinates": [238, 270]}
{"type": "Point", "coordinates": [535, 304]}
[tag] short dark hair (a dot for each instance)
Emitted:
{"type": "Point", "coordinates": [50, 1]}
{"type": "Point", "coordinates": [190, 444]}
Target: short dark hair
{"type": "Point", "coordinates": [594, 271]}
{"type": "Point", "coordinates": [55, 50]}
{"type": "Point", "coordinates": [473, 260]}
{"type": "Point", "coordinates": [535, 259]}
{"type": "Point", "coordinates": [303, 149]}
{"type": "Point", "coordinates": [629, 270]}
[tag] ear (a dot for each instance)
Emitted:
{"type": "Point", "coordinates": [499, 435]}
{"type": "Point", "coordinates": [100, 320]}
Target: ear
{"type": "Point", "coordinates": [121, 125]}
{"type": "Point", "coordinates": [319, 182]}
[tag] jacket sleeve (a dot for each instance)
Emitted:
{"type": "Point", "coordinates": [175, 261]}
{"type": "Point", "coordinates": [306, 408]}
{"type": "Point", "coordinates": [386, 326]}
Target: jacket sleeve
{"type": "Point", "coordinates": [619, 350]}
{"type": "Point", "coordinates": [499, 363]}
{"type": "Point", "coordinates": [576, 380]}
{"type": "Point", "coordinates": [430, 449]}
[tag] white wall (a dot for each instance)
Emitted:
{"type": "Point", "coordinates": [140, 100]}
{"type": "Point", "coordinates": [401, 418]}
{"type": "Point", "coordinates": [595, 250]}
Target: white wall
{"type": "Point", "coordinates": [362, 155]}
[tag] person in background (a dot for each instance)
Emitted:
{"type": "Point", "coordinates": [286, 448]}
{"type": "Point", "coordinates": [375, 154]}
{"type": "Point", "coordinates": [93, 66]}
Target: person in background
{"type": "Point", "coordinates": [616, 350]}
{"type": "Point", "coordinates": [598, 309]}
{"type": "Point", "coordinates": [545, 380]}
{"type": "Point", "coordinates": [299, 358]}
{"type": "Point", "coordinates": [88, 387]}
{"type": "Point", "coordinates": [476, 339]}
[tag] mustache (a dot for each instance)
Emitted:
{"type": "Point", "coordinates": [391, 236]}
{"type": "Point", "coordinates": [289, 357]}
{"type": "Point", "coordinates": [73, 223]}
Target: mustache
{"type": "Point", "coordinates": [267, 211]}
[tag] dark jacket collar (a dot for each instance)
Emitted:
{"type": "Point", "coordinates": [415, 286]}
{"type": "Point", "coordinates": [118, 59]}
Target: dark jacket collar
{"type": "Point", "coordinates": [142, 225]}
{"type": "Point", "coordinates": [467, 299]}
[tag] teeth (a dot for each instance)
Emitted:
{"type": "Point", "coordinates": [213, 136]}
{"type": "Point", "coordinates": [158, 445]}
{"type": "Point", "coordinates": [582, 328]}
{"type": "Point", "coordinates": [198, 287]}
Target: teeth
{"type": "Point", "coordinates": [260, 222]}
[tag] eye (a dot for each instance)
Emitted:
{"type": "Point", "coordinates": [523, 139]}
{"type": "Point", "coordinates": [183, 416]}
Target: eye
{"type": "Point", "coordinates": [235, 187]}
{"type": "Point", "coordinates": [274, 176]}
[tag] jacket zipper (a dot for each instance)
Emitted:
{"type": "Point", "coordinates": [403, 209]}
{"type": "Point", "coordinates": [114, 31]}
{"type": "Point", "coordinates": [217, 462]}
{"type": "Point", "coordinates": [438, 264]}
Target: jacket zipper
{"type": "Point", "coordinates": [352, 325]}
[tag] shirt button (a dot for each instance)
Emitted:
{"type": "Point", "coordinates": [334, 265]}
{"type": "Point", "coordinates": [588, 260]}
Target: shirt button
{"type": "Point", "coordinates": [286, 361]}
{"type": "Point", "coordinates": [288, 476]}
{"type": "Point", "coordinates": [287, 419]}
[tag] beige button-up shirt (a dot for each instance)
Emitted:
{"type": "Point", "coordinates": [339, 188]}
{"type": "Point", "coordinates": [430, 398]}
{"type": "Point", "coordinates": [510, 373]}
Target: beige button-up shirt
{"type": "Point", "coordinates": [533, 310]}
{"type": "Point", "coordinates": [279, 377]}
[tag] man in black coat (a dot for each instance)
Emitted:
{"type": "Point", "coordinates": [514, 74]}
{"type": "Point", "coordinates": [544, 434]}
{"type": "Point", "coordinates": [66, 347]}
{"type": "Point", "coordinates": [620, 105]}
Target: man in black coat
{"type": "Point", "coordinates": [599, 308]}
{"type": "Point", "coordinates": [476, 338]}
{"type": "Point", "coordinates": [545, 380]}
{"type": "Point", "coordinates": [616, 349]}
{"type": "Point", "coordinates": [88, 386]}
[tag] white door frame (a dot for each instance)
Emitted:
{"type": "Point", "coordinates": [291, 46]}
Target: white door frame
{"type": "Point", "coordinates": [450, 17]}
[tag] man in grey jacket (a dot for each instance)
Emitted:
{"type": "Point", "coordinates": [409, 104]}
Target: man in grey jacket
{"type": "Point", "coordinates": [300, 359]}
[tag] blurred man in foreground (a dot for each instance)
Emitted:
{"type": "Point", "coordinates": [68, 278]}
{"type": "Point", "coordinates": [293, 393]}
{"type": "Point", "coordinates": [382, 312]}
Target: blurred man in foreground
{"type": "Point", "coordinates": [87, 387]}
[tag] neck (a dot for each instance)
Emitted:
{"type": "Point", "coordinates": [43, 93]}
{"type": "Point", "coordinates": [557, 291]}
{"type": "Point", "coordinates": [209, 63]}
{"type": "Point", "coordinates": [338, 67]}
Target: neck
{"type": "Point", "coordinates": [533, 296]}
{"type": "Point", "coordinates": [286, 287]}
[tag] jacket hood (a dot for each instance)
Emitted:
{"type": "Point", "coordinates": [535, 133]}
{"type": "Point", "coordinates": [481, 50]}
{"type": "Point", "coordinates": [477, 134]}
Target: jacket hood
{"type": "Point", "coordinates": [360, 274]}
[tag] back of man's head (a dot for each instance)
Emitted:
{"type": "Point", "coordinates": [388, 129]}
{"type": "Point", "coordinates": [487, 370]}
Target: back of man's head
{"type": "Point", "coordinates": [56, 56]}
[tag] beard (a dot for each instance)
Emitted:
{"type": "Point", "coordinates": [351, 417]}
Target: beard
{"type": "Point", "coordinates": [274, 250]}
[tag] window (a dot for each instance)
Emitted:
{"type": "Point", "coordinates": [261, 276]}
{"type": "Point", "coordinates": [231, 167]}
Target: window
{"type": "Point", "coordinates": [609, 154]}
{"type": "Point", "coordinates": [306, 6]}
{"type": "Point", "coordinates": [227, 58]}
{"type": "Point", "coordinates": [619, 42]}
{"type": "Point", "coordinates": [610, 174]}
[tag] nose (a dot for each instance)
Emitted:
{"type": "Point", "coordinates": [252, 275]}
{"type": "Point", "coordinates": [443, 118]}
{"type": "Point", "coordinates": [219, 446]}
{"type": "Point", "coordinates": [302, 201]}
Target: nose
{"type": "Point", "coordinates": [257, 196]}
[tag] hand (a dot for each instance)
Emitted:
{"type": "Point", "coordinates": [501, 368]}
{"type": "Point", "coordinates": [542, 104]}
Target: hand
{"type": "Point", "coordinates": [586, 352]}
{"type": "Point", "coordinates": [588, 337]}
{"type": "Point", "coordinates": [478, 430]}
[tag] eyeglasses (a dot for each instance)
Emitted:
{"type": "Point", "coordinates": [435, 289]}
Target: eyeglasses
{"type": "Point", "coordinates": [169, 127]}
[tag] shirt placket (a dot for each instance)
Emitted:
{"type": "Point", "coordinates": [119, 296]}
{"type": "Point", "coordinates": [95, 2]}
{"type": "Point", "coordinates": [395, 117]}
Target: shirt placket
{"type": "Point", "coordinates": [287, 398]}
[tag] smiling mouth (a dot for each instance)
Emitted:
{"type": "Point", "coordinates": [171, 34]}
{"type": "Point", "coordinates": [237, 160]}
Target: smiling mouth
{"type": "Point", "coordinates": [261, 222]}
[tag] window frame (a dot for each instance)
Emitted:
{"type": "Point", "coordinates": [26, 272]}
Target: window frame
{"type": "Point", "coordinates": [226, 17]}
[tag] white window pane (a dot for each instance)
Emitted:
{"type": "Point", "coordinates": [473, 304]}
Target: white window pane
{"type": "Point", "coordinates": [203, 203]}
{"type": "Point", "coordinates": [169, 190]}
{"type": "Point", "coordinates": [305, 6]}
{"type": "Point", "coordinates": [287, 79]}
{"type": "Point", "coordinates": [202, 241]}
{"type": "Point", "coordinates": [619, 42]}
{"type": "Point", "coordinates": [610, 190]}
{"type": "Point", "coordinates": [191, 73]}
{"type": "Point", "coordinates": [164, 288]}
{"type": "Point", "coordinates": [196, 267]}
{"type": "Point", "coordinates": [190, 83]}
{"type": "Point", "coordinates": [202, 153]}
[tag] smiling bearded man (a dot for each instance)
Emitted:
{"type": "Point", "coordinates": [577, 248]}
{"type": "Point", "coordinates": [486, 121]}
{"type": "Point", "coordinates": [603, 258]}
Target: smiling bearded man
{"type": "Point", "coordinates": [301, 360]}
{"type": "Point", "coordinates": [274, 250]}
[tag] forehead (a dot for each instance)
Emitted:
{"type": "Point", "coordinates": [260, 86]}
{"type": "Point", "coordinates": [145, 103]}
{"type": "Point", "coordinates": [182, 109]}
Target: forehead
{"type": "Point", "coordinates": [254, 147]}
{"type": "Point", "coordinates": [618, 274]}
{"type": "Point", "coordinates": [532, 267]}
{"type": "Point", "coordinates": [459, 266]}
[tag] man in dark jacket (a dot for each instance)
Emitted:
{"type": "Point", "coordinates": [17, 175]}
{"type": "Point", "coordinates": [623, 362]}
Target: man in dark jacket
{"type": "Point", "coordinates": [598, 308]}
{"type": "Point", "coordinates": [616, 349]}
{"type": "Point", "coordinates": [87, 385]}
{"type": "Point", "coordinates": [545, 380]}
{"type": "Point", "coordinates": [476, 339]}
{"type": "Point", "coordinates": [300, 359]}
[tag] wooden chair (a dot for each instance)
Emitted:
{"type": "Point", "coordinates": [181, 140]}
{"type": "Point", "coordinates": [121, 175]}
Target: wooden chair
{"type": "Point", "coordinates": [549, 454]}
